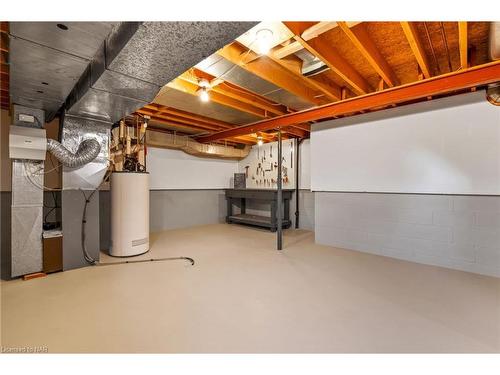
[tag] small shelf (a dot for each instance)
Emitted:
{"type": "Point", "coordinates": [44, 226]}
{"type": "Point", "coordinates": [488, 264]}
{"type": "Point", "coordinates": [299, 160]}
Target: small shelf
{"type": "Point", "coordinates": [257, 220]}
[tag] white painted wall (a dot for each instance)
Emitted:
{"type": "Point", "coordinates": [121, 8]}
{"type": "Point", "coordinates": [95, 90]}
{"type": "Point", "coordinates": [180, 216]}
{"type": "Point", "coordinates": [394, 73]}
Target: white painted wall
{"type": "Point", "coordinates": [174, 169]}
{"type": "Point", "coordinates": [305, 165]}
{"type": "Point", "coordinates": [449, 146]}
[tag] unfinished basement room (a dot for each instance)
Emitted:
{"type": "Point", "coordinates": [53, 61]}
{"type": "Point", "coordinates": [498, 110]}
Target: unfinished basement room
{"type": "Point", "coordinates": [233, 186]}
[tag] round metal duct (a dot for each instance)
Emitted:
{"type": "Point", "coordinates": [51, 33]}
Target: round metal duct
{"type": "Point", "coordinates": [493, 94]}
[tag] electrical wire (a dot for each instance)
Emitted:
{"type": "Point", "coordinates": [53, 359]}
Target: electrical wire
{"type": "Point", "coordinates": [190, 260]}
{"type": "Point", "coordinates": [29, 175]}
{"type": "Point", "coordinates": [86, 254]}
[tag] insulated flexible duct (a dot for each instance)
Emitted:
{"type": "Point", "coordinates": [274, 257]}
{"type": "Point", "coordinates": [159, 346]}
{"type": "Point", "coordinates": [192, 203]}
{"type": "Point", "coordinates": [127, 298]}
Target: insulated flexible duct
{"type": "Point", "coordinates": [87, 151]}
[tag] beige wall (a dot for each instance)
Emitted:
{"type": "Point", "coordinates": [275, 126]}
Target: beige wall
{"type": "Point", "coordinates": [52, 179]}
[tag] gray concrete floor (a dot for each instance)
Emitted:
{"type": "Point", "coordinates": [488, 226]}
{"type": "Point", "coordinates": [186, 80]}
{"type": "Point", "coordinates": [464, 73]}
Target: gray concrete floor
{"type": "Point", "coordinates": [243, 296]}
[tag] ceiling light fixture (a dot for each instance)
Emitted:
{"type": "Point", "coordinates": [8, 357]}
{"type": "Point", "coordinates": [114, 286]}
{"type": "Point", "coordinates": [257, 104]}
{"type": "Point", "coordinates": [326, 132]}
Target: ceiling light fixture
{"type": "Point", "coordinates": [204, 96]}
{"type": "Point", "coordinates": [260, 142]}
{"type": "Point", "coordinates": [203, 90]}
{"type": "Point", "coordinates": [264, 40]}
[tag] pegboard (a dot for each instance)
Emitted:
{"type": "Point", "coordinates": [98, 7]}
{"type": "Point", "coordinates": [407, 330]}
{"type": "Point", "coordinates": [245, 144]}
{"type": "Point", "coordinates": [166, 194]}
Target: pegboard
{"type": "Point", "coordinates": [261, 165]}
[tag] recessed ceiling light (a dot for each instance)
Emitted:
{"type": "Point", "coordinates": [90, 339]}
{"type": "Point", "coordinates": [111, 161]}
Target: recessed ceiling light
{"type": "Point", "coordinates": [62, 26]}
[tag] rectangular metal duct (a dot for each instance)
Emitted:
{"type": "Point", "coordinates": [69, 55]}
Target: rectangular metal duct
{"type": "Point", "coordinates": [27, 205]}
{"type": "Point", "coordinates": [47, 61]}
{"type": "Point", "coordinates": [86, 178]}
{"type": "Point", "coordinates": [219, 66]}
{"type": "Point", "coordinates": [137, 59]}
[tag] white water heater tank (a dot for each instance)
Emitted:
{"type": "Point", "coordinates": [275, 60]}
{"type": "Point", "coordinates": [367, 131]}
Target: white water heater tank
{"type": "Point", "coordinates": [129, 213]}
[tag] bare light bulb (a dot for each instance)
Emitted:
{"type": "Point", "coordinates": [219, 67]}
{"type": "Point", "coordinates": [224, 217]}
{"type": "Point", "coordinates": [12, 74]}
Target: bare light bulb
{"type": "Point", "coordinates": [260, 142]}
{"type": "Point", "coordinates": [204, 95]}
{"type": "Point", "coordinates": [264, 40]}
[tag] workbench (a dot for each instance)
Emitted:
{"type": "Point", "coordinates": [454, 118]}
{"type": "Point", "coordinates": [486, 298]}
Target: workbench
{"type": "Point", "coordinates": [240, 196]}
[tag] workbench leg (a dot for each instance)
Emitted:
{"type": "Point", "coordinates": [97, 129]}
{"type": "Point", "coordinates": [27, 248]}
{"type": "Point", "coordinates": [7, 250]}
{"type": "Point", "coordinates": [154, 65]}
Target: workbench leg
{"type": "Point", "coordinates": [229, 209]}
{"type": "Point", "coordinates": [273, 216]}
{"type": "Point", "coordinates": [243, 205]}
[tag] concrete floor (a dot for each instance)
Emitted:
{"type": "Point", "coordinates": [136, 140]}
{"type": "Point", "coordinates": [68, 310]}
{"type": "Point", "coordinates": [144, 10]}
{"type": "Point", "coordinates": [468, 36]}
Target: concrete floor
{"type": "Point", "coordinates": [243, 296]}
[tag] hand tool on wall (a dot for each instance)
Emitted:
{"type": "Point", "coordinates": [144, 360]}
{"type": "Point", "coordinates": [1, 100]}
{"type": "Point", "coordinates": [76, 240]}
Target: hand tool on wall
{"type": "Point", "coordinates": [264, 159]}
{"type": "Point", "coordinates": [271, 152]}
{"type": "Point", "coordinates": [246, 171]}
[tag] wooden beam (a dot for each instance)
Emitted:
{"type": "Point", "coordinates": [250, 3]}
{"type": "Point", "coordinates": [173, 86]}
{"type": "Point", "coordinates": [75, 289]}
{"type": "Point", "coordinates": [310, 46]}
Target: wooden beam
{"type": "Point", "coordinates": [180, 120]}
{"type": "Point", "coordinates": [312, 32]}
{"type": "Point", "coordinates": [183, 127]}
{"type": "Point", "coordinates": [463, 45]}
{"type": "Point", "coordinates": [269, 70]}
{"type": "Point", "coordinates": [187, 122]}
{"type": "Point", "coordinates": [188, 115]}
{"type": "Point", "coordinates": [331, 57]}
{"type": "Point", "coordinates": [416, 46]}
{"type": "Point", "coordinates": [239, 93]}
{"type": "Point", "coordinates": [288, 50]}
{"type": "Point", "coordinates": [444, 84]}
{"type": "Point", "coordinates": [186, 86]}
{"type": "Point", "coordinates": [294, 65]}
{"type": "Point", "coordinates": [362, 41]}
{"type": "Point", "coordinates": [249, 97]}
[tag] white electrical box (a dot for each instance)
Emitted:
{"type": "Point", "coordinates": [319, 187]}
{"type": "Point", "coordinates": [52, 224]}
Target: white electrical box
{"type": "Point", "coordinates": [27, 143]}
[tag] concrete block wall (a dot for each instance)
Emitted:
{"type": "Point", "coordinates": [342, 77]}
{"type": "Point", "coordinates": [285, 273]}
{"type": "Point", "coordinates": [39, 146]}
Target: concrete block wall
{"type": "Point", "coordinates": [306, 209]}
{"type": "Point", "coordinates": [454, 231]}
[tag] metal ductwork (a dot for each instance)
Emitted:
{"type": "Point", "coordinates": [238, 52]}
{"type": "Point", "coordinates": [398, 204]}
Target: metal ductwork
{"type": "Point", "coordinates": [87, 151]}
{"type": "Point", "coordinates": [189, 146]}
{"type": "Point", "coordinates": [493, 94]}
{"type": "Point", "coordinates": [494, 46]}
{"type": "Point", "coordinates": [137, 59]}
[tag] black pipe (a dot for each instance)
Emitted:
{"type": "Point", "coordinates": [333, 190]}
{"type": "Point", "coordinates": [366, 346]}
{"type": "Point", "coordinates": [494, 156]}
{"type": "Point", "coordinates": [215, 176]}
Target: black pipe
{"type": "Point", "coordinates": [279, 209]}
{"type": "Point", "coordinates": [299, 141]}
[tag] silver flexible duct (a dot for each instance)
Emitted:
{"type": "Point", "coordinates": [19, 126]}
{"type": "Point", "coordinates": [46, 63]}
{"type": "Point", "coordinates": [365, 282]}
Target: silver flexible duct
{"type": "Point", "coordinates": [87, 151]}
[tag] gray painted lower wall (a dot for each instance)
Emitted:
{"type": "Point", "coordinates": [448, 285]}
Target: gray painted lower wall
{"type": "Point", "coordinates": [5, 220]}
{"type": "Point", "coordinates": [306, 209]}
{"type": "Point", "coordinates": [171, 209]}
{"type": "Point", "coordinates": [72, 212]}
{"type": "Point", "coordinates": [459, 232]}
